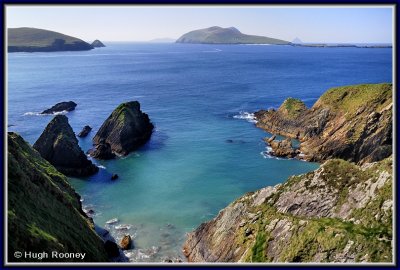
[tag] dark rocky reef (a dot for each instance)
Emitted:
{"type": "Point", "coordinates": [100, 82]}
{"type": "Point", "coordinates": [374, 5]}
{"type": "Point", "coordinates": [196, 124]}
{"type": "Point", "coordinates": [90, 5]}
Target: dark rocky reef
{"type": "Point", "coordinates": [44, 212]}
{"type": "Point", "coordinates": [126, 129]}
{"type": "Point", "coordinates": [353, 123]}
{"type": "Point", "coordinates": [340, 212]}
{"type": "Point", "coordinates": [97, 44]}
{"type": "Point", "coordinates": [58, 145]}
{"type": "Point", "coordinates": [25, 39]}
{"type": "Point", "coordinates": [60, 107]}
{"type": "Point", "coordinates": [85, 131]}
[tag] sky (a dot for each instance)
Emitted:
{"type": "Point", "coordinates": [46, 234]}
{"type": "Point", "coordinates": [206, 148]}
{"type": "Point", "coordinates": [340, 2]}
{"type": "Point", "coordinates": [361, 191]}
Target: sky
{"type": "Point", "coordinates": [134, 23]}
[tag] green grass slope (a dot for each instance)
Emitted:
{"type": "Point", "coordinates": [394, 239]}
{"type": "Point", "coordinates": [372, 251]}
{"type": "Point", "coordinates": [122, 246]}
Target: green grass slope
{"type": "Point", "coordinates": [219, 35]}
{"type": "Point", "coordinates": [44, 212]}
{"type": "Point", "coordinates": [27, 39]}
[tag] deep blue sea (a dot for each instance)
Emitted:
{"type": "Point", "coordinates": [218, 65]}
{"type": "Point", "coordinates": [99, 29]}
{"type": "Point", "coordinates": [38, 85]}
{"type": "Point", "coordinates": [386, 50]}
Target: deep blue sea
{"type": "Point", "coordinates": [198, 97]}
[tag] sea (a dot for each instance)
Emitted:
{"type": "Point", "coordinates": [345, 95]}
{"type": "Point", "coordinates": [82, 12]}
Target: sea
{"type": "Point", "coordinates": [205, 151]}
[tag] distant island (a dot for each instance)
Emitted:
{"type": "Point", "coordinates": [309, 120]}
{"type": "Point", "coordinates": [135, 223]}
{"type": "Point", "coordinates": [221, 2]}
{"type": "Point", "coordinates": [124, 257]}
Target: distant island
{"type": "Point", "coordinates": [231, 35]}
{"type": "Point", "coordinates": [98, 44]}
{"type": "Point", "coordinates": [26, 39]}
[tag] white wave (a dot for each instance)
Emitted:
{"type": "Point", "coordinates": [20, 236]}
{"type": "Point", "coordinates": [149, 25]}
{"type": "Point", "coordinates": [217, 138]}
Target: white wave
{"type": "Point", "coordinates": [112, 221]}
{"type": "Point", "coordinates": [212, 51]}
{"type": "Point", "coordinates": [41, 114]}
{"type": "Point", "coordinates": [101, 167]}
{"type": "Point", "coordinates": [249, 117]}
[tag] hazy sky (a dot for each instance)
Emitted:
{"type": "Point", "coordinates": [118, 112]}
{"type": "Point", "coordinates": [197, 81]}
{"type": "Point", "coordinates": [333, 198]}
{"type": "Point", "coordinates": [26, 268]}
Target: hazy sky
{"type": "Point", "coordinates": [133, 23]}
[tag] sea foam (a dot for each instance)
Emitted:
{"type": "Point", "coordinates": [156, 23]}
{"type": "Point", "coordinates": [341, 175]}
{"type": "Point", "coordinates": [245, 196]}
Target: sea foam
{"type": "Point", "coordinates": [249, 117]}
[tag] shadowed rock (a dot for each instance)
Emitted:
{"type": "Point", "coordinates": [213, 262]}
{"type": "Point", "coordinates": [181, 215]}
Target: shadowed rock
{"type": "Point", "coordinates": [98, 44]}
{"type": "Point", "coordinates": [126, 129]}
{"type": "Point", "coordinates": [85, 131]}
{"type": "Point", "coordinates": [60, 107]}
{"type": "Point", "coordinates": [59, 146]}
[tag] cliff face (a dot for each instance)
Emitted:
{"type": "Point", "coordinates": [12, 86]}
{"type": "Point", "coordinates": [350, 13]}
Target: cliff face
{"type": "Point", "coordinates": [352, 123]}
{"type": "Point", "coordinates": [126, 129]}
{"type": "Point", "coordinates": [339, 213]}
{"type": "Point", "coordinates": [44, 211]}
{"type": "Point", "coordinates": [58, 145]}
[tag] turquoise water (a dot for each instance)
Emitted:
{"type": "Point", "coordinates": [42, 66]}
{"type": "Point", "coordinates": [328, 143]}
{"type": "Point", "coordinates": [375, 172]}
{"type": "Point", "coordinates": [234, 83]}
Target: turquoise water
{"type": "Point", "coordinates": [205, 151]}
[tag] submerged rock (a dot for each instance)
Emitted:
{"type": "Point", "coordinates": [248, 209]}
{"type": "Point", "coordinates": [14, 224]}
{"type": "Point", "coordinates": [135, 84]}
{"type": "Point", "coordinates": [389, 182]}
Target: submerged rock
{"type": "Point", "coordinates": [85, 131]}
{"type": "Point", "coordinates": [58, 145]}
{"type": "Point", "coordinates": [60, 107]}
{"type": "Point", "coordinates": [114, 176]}
{"type": "Point", "coordinates": [126, 242]}
{"type": "Point", "coordinates": [126, 129]}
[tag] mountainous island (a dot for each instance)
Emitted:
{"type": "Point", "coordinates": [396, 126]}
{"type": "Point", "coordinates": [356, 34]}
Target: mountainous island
{"type": "Point", "coordinates": [230, 35]}
{"type": "Point", "coordinates": [26, 39]}
{"type": "Point", "coordinates": [341, 212]}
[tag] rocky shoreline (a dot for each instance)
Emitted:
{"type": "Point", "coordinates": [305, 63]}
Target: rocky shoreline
{"type": "Point", "coordinates": [341, 212]}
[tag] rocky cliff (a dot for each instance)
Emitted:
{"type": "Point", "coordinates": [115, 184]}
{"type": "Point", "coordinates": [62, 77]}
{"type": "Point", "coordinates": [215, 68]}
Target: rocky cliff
{"type": "Point", "coordinates": [352, 123]}
{"type": "Point", "coordinates": [340, 212]}
{"type": "Point", "coordinates": [126, 129]}
{"type": "Point", "coordinates": [58, 145]}
{"type": "Point", "coordinates": [44, 212]}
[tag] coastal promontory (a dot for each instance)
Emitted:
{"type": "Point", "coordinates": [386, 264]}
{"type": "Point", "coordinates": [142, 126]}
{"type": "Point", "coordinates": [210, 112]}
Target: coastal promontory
{"type": "Point", "coordinates": [230, 35]}
{"type": "Point", "coordinates": [44, 212]}
{"type": "Point", "coordinates": [126, 129]}
{"type": "Point", "coordinates": [353, 123]}
{"type": "Point", "coordinates": [26, 39]}
{"type": "Point", "coordinates": [58, 145]}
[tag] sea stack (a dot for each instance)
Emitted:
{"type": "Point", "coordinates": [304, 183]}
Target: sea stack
{"type": "Point", "coordinates": [126, 129]}
{"type": "Point", "coordinates": [59, 146]}
{"type": "Point", "coordinates": [98, 44]}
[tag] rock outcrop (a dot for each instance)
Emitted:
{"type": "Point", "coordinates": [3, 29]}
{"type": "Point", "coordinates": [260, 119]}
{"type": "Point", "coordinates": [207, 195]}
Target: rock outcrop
{"type": "Point", "coordinates": [126, 129]}
{"type": "Point", "coordinates": [61, 107]}
{"type": "Point", "coordinates": [126, 242]}
{"type": "Point", "coordinates": [58, 145]}
{"type": "Point", "coordinates": [44, 212]}
{"type": "Point", "coordinates": [282, 148]}
{"type": "Point", "coordinates": [340, 212]}
{"type": "Point", "coordinates": [352, 123]}
{"type": "Point", "coordinates": [97, 44]}
{"type": "Point", "coordinates": [85, 131]}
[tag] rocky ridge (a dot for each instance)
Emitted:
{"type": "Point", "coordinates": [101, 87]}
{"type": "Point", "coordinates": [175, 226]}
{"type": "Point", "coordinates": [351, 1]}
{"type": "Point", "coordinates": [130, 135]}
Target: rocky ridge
{"type": "Point", "coordinates": [352, 123]}
{"type": "Point", "coordinates": [340, 212]}
{"type": "Point", "coordinates": [58, 145]}
{"type": "Point", "coordinates": [44, 212]}
{"type": "Point", "coordinates": [126, 129]}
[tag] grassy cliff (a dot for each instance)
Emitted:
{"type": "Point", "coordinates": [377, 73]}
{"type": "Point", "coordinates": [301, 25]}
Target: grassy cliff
{"type": "Point", "coordinates": [44, 212]}
{"type": "Point", "coordinates": [340, 212]}
{"type": "Point", "coordinates": [27, 39]}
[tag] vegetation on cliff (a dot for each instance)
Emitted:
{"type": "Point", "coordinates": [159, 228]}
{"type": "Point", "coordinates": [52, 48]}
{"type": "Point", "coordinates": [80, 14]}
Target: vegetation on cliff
{"type": "Point", "coordinates": [231, 35]}
{"type": "Point", "coordinates": [25, 39]}
{"type": "Point", "coordinates": [351, 122]}
{"type": "Point", "coordinates": [339, 213]}
{"type": "Point", "coordinates": [44, 211]}
{"type": "Point", "coordinates": [58, 145]}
